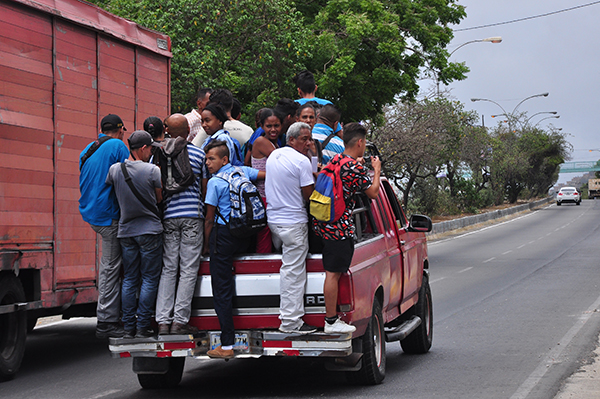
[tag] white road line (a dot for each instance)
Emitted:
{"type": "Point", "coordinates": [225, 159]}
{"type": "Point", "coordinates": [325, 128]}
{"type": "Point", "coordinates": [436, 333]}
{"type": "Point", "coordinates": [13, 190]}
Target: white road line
{"type": "Point", "coordinates": [465, 270]}
{"type": "Point", "coordinates": [550, 358]}
{"type": "Point", "coordinates": [507, 252]}
{"type": "Point", "coordinates": [531, 242]}
{"type": "Point", "coordinates": [521, 246]}
{"type": "Point", "coordinates": [436, 280]}
{"type": "Point", "coordinates": [548, 234]}
{"type": "Point", "coordinates": [105, 393]}
{"type": "Point", "coordinates": [489, 260]}
{"type": "Point", "coordinates": [60, 322]}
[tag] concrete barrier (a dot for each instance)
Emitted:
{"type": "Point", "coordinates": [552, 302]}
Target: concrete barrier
{"type": "Point", "coordinates": [449, 225]}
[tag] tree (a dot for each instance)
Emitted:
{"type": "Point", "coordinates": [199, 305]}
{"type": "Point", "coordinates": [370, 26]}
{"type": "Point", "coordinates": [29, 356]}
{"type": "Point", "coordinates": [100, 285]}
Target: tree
{"type": "Point", "coordinates": [409, 142]}
{"type": "Point", "coordinates": [364, 53]}
{"type": "Point", "coordinates": [369, 52]}
{"type": "Point", "coordinates": [251, 47]}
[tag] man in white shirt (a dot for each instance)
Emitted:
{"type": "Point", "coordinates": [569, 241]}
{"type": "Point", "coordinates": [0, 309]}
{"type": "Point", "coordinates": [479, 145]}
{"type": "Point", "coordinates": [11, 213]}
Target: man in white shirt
{"type": "Point", "coordinates": [288, 185]}
{"type": "Point", "coordinates": [238, 130]}
{"type": "Point", "coordinates": [197, 135]}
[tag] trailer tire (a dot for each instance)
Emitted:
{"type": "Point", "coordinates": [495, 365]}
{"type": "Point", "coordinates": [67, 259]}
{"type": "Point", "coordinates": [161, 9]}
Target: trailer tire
{"type": "Point", "coordinates": [170, 379]}
{"type": "Point", "coordinates": [372, 371]}
{"type": "Point", "coordinates": [13, 328]}
{"type": "Point", "coordinates": [420, 340]}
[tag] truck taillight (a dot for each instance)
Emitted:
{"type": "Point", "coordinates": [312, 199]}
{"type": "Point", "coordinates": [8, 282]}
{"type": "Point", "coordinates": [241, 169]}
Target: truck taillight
{"type": "Point", "coordinates": [345, 293]}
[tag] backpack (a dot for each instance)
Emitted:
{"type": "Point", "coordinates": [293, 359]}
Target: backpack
{"type": "Point", "coordinates": [173, 159]}
{"type": "Point", "coordinates": [327, 201]}
{"type": "Point", "coordinates": [248, 215]}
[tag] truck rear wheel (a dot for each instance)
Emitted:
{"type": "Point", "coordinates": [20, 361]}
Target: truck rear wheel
{"type": "Point", "coordinates": [420, 340]}
{"type": "Point", "coordinates": [373, 343]}
{"type": "Point", "coordinates": [170, 379]}
{"type": "Point", "coordinates": [13, 328]}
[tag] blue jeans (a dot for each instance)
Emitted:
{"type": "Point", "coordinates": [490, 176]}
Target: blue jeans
{"type": "Point", "coordinates": [142, 260]}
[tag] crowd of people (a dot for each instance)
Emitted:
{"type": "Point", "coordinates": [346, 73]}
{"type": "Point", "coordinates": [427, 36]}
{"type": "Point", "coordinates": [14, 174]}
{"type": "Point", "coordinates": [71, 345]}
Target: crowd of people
{"type": "Point", "coordinates": [157, 237]}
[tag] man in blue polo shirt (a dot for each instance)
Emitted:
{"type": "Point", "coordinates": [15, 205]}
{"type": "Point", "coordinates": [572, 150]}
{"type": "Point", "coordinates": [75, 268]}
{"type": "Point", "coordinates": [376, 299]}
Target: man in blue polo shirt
{"type": "Point", "coordinates": [219, 242]}
{"type": "Point", "coordinates": [328, 123]}
{"type": "Point", "coordinates": [183, 223]}
{"type": "Point", "coordinates": [99, 207]}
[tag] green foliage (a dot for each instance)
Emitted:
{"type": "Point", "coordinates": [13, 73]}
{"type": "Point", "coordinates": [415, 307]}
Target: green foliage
{"type": "Point", "coordinates": [251, 47]}
{"type": "Point", "coordinates": [369, 52]}
{"type": "Point", "coordinates": [364, 53]}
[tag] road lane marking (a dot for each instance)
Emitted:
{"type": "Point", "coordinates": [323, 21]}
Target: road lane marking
{"type": "Point", "coordinates": [534, 378]}
{"type": "Point", "coordinates": [531, 242]}
{"type": "Point", "coordinates": [436, 280]}
{"type": "Point", "coordinates": [465, 270]}
{"type": "Point", "coordinates": [105, 393]}
{"type": "Point", "coordinates": [507, 252]}
{"type": "Point", "coordinates": [521, 246]}
{"type": "Point", "coordinates": [548, 234]}
{"type": "Point", "coordinates": [60, 322]}
{"type": "Point", "coordinates": [489, 260]}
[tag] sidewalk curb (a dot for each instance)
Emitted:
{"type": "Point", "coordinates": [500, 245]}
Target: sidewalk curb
{"type": "Point", "coordinates": [456, 224]}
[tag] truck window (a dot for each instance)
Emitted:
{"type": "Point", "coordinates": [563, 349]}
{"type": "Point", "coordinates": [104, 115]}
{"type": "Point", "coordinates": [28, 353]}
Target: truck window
{"type": "Point", "coordinates": [363, 218]}
{"type": "Point", "coordinates": [395, 204]}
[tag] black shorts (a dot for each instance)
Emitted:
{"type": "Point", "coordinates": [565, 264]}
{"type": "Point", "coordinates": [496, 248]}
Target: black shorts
{"type": "Point", "coordinates": [337, 255]}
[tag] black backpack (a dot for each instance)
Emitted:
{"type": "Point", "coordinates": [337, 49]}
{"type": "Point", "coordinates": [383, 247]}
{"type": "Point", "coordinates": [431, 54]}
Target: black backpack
{"type": "Point", "coordinates": [173, 159]}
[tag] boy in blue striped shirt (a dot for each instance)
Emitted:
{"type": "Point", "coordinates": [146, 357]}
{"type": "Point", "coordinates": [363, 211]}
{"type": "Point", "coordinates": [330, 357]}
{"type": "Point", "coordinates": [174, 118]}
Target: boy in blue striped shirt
{"type": "Point", "coordinates": [183, 224]}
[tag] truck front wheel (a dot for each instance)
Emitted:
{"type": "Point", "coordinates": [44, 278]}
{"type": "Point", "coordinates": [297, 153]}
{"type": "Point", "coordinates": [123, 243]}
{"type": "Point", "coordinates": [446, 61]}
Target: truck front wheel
{"type": "Point", "coordinates": [13, 328]}
{"type": "Point", "coordinates": [420, 340]}
{"type": "Point", "coordinates": [373, 343]}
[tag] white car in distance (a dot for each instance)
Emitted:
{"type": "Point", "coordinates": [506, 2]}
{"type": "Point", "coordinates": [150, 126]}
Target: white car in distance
{"type": "Point", "coordinates": [568, 194]}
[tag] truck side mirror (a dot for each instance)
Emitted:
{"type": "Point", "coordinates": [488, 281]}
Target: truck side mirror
{"type": "Point", "coordinates": [420, 223]}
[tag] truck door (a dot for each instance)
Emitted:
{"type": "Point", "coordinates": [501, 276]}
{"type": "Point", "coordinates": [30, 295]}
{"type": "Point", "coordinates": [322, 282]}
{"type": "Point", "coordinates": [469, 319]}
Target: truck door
{"type": "Point", "coordinates": [394, 252]}
{"type": "Point", "coordinates": [407, 243]}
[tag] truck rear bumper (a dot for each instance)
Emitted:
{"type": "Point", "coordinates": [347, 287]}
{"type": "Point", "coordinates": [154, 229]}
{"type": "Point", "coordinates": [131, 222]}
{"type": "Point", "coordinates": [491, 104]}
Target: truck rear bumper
{"type": "Point", "coordinates": [250, 344]}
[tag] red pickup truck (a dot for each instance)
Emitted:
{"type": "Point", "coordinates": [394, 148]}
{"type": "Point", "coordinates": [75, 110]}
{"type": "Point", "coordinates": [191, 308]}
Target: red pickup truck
{"type": "Point", "coordinates": [385, 294]}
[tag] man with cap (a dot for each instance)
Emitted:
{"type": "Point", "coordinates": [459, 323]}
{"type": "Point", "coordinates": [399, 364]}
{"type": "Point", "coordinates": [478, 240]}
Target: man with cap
{"type": "Point", "coordinates": [138, 189]}
{"type": "Point", "coordinates": [98, 207]}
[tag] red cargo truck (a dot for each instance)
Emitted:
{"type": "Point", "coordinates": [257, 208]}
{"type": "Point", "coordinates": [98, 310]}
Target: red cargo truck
{"type": "Point", "coordinates": [64, 64]}
{"type": "Point", "coordinates": [385, 294]}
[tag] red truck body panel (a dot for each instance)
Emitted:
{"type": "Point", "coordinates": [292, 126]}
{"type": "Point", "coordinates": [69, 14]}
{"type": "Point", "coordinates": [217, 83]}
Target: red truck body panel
{"type": "Point", "coordinates": [64, 64]}
{"type": "Point", "coordinates": [389, 261]}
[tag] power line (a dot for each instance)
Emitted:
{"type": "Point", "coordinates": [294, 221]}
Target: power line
{"type": "Point", "coordinates": [527, 18]}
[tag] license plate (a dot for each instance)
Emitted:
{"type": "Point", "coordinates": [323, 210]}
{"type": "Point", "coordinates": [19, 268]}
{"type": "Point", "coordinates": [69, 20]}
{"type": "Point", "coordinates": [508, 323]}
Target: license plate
{"type": "Point", "coordinates": [240, 342]}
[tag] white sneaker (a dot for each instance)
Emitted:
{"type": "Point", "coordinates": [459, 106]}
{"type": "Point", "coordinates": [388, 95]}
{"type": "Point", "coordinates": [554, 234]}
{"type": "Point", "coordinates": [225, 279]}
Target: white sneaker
{"type": "Point", "coordinates": [339, 326]}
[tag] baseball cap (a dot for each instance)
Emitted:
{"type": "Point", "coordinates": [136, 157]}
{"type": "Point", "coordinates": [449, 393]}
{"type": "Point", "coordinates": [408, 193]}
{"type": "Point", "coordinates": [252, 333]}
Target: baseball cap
{"type": "Point", "coordinates": [140, 138]}
{"type": "Point", "coordinates": [111, 122]}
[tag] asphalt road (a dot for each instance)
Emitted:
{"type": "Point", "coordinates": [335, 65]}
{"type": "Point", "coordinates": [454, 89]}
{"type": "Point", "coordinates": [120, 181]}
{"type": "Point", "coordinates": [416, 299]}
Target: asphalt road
{"type": "Point", "coordinates": [515, 310]}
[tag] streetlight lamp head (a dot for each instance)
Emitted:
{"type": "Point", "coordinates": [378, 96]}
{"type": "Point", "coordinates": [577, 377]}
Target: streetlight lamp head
{"type": "Point", "coordinates": [495, 39]}
{"type": "Point", "coordinates": [475, 99]}
{"type": "Point", "coordinates": [545, 94]}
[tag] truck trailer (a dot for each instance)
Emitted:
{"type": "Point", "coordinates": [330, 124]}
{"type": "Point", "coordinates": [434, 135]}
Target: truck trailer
{"type": "Point", "coordinates": [64, 64]}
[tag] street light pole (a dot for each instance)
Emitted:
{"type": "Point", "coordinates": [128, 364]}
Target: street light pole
{"type": "Point", "coordinates": [495, 39]}
{"type": "Point", "coordinates": [512, 114]}
{"type": "Point", "coordinates": [522, 101]}
{"type": "Point", "coordinates": [548, 117]}
{"type": "Point", "coordinates": [539, 113]}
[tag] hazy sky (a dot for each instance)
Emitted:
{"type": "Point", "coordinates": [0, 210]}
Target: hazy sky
{"type": "Point", "coordinates": [556, 54]}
